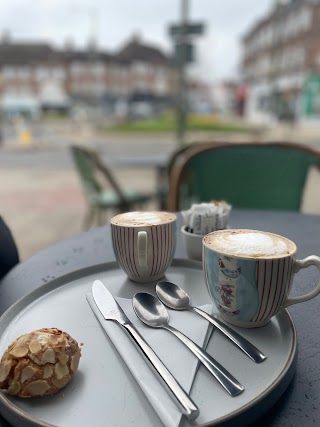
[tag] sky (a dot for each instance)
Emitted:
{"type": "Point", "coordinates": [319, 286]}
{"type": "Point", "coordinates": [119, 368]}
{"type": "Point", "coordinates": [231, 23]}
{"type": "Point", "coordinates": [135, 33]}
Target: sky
{"type": "Point", "coordinates": [112, 23]}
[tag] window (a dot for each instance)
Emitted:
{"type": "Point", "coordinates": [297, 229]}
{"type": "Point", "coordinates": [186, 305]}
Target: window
{"type": "Point", "coordinates": [42, 72]}
{"type": "Point", "coordinates": [77, 69]}
{"type": "Point", "coordinates": [9, 72]}
{"type": "Point", "coordinates": [24, 72]}
{"type": "Point", "coordinates": [58, 72]}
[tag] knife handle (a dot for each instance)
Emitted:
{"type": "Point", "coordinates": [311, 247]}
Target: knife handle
{"type": "Point", "coordinates": [182, 398]}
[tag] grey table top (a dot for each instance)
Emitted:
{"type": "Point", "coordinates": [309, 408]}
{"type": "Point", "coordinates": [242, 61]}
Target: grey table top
{"type": "Point", "coordinates": [300, 404]}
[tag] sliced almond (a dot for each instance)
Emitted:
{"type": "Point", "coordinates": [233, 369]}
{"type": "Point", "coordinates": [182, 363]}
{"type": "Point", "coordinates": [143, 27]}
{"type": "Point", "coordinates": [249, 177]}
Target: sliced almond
{"type": "Point", "coordinates": [37, 388]}
{"type": "Point", "coordinates": [47, 372]}
{"type": "Point", "coordinates": [14, 388]}
{"type": "Point", "coordinates": [75, 360]}
{"type": "Point", "coordinates": [21, 340]}
{"type": "Point", "coordinates": [35, 359]}
{"type": "Point", "coordinates": [12, 345]}
{"type": "Point", "coordinates": [61, 371]}
{"type": "Point", "coordinates": [50, 330]}
{"type": "Point", "coordinates": [5, 368]}
{"type": "Point", "coordinates": [20, 351]}
{"type": "Point", "coordinates": [19, 368]}
{"type": "Point", "coordinates": [53, 339]}
{"type": "Point", "coordinates": [28, 373]}
{"type": "Point", "coordinates": [62, 382]}
{"type": "Point", "coordinates": [63, 358]}
{"type": "Point", "coordinates": [62, 346]}
{"type": "Point", "coordinates": [48, 357]}
{"type": "Point", "coordinates": [42, 338]}
{"type": "Point", "coordinates": [61, 338]}
{"type": "Point", "coordinates": [35, 346]}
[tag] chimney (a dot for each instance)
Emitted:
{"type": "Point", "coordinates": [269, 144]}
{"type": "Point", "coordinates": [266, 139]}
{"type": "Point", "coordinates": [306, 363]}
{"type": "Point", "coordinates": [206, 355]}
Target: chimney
{"type": "Point", "coordinates": [69, 44]}
{"type": "Point", "coordinates": [136, 37]}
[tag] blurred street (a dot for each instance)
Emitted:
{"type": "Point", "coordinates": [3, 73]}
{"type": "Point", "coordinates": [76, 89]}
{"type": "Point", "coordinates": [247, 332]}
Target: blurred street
{"type": "Point", "coordinates": [40, 193]}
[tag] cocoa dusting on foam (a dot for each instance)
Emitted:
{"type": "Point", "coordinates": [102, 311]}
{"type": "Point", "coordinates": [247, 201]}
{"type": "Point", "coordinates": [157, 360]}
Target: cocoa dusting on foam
{"type": "Point", "coordinates": [140, 219]}
{"type": "Point", "coordinates": [249, 243]}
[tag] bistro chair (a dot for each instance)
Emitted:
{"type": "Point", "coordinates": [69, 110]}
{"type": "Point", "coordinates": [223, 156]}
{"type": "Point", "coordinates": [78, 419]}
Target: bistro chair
{"type": "Point", "coordinates": [251, 175]}
{"type": "Point", "coordinates": [94, 174]}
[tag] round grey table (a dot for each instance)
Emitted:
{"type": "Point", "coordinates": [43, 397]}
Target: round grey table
{"type": "Point", "coordinates": [300, 404]}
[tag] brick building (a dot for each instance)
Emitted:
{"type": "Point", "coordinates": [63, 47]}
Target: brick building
{"type": "Point", "coordinates": [36, 76]}
{"type": "Point", "coordinates": [281, 62]}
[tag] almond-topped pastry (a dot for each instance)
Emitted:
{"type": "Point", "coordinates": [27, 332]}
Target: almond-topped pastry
{"type": "Point", "coordinates": [39, 363]}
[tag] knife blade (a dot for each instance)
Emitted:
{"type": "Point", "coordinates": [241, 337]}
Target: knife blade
{"type": "Point", "coordinates": [111, 310]}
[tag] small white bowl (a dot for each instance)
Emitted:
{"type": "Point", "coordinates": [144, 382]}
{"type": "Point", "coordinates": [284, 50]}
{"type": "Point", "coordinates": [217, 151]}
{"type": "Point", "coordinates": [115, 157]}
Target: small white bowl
{"type": "Point", "coordinates": [193, 244]}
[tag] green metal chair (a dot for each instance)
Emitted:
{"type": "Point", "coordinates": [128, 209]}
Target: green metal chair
{"type": "Point", "coordinates": [92, 172]}
{"type": "Point", "coordinates": [253, 175]}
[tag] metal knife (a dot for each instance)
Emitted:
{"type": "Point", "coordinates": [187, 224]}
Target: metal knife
{"type": "Point", "coordinates": [111, 310]}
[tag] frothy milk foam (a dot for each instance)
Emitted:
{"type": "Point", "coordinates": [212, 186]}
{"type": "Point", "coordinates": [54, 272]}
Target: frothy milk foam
{"type": "Point", "coordinates": [140, 219]}
{"type": "Point", "coordinates": [249, 243]}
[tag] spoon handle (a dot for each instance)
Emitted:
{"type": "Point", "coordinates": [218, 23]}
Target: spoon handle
{"type": "Point", "coordinates": [185, 403]}
{"type": "Point", "coordinates": [249, 349]}
{"type": "Point", "coordinates": [230, 384]}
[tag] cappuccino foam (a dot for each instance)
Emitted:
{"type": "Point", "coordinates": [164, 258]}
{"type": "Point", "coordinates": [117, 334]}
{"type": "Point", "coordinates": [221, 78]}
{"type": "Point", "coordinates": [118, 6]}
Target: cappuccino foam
{"type": "Point", "coordinates": [249, 243]}
{"type": "Point", "coordinates": [142, 219]}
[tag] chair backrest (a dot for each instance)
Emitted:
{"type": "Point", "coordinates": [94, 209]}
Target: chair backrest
{"type": "Point", "coordinates": [88, 164]}
{"type": "Point", "coordinates": [253, 175]}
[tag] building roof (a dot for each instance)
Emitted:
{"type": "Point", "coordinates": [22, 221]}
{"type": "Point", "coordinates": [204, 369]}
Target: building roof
{"type": "Point", "coordinates": [24, 53]}
{"type": "Point", "coordinates": [12, 53]}
{"type": "Point", "coordinates": [85, 55]}
{"type": "Point", "coordinates": [277, 10]}
{"type": "Point", "coordinates": [136, 51]}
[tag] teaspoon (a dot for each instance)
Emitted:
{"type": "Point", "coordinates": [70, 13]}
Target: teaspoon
{"type": "Point", "coordinates": [153, 313]}
{"type": "Point", "coordinates": [176, 298]}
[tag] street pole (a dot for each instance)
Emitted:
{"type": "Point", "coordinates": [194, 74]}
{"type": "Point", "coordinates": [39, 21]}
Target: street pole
{"type": "Point", "coordinates": [181, 86]}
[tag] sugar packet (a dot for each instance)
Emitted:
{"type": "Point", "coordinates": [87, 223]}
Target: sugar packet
{"type": "Point", "coordinates": [204, 218]}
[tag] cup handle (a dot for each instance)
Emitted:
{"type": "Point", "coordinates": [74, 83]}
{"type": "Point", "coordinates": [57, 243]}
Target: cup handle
{"type": "Point", "coordinates": [142, 249]}
{"type": "Point", "coordinates": [299, 264]}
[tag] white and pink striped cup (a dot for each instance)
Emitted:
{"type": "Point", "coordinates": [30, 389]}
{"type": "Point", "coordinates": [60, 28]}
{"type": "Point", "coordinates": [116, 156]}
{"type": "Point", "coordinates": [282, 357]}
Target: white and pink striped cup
{"type": "Point", "coordinates": [249, 274]}
{"type": "Point", "coordinates": [144, 243]}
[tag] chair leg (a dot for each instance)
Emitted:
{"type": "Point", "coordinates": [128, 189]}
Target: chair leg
{"type": "Point", "coordinates": [88, 219]}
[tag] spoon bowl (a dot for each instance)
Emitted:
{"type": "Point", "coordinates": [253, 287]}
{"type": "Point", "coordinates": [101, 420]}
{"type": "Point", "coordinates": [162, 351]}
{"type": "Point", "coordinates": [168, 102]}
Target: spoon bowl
{"type": "Point", "coordinates": [153, 313]}
{"type": "Point", "coordinates": [173, 296]}
{"type": "Point", "coordinates": [176, 298]}
{"type": "Point", "coordinates": [150, 310]}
